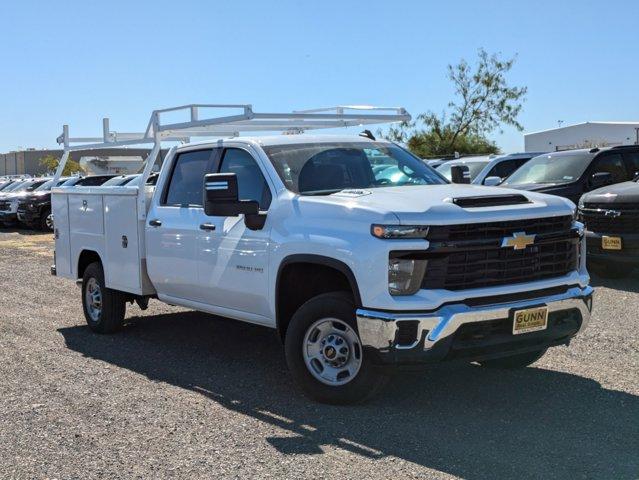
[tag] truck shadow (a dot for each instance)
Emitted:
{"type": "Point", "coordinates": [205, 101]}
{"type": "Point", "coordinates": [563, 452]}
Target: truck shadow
{"type": "Point", "coordinates": [627, 284]}
{"type": "Point", "coordinates": [466, 421]}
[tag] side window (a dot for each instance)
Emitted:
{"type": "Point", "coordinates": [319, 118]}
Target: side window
{"type": "Point", "coordinates": [250, 181]}
{"type": "Point", "coordinates": [93, 181]}
{"type": "Point", "coordinates": [187, 179]}
{"type": "Point", "coordinates": [613, 164]}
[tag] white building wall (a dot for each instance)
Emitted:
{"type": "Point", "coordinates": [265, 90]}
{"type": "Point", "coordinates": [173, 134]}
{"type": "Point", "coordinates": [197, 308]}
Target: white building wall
{"type": "Point", "coordinates": [583, 135]}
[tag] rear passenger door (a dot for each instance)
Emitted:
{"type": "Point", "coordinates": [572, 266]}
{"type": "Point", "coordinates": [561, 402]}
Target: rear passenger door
{"type": "Point", "coordinates": [173, 223]}
{"type": "Point", "coordinates": [232, 260]}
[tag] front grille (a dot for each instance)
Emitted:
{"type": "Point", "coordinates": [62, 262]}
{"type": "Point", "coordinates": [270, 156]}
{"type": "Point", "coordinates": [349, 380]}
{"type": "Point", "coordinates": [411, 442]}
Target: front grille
{"type": "Point", "coordinates": [471, 256]}
{"type": "Point", "coordinates": [481, 231]}
{"type": "Point", "coordinates": [610, 217]}
{"type": "Point", "coordinates": [5, 206]}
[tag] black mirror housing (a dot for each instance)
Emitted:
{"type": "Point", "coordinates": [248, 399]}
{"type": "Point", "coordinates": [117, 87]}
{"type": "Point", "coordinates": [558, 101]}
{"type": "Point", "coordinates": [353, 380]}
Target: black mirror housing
{"type": "Point", "coordinates": [460, 174]}
{"type": "Point", "coordinates": [601, 179]}
{"type": "Point", "coordinates": [221, 197]}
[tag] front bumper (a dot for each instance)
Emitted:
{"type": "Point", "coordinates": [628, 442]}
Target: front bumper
{"type": "Point", "coordinates": [460, 331]}
{"type": "Point", "coordinates": [629, 252]}
{"type": "Point", "coordinates": [29, 216]}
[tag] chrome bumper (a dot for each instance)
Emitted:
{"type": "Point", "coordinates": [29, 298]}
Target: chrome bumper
{"type": "Point", "coordinates": [378, 329]}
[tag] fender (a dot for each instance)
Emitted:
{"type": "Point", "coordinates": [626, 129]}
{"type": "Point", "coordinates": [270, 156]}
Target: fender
{"type": "Point", "coordinates": [318, 260]}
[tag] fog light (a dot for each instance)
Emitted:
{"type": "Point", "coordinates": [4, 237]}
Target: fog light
{"type": "Point", "coordinates": [405, 275]}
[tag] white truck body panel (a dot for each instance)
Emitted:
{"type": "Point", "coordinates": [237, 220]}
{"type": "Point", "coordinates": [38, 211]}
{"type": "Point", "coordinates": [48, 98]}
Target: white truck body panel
{"type": "Point", "coordinates": [104, 221]}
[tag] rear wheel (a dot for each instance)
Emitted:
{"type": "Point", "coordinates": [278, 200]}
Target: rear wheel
{"type": "Point", "coordinates": [103, 307]}
{"type": "Point", "coordinates": [325, 355]}
{"type": "Point", "coordinates": [521, 360]}
{"type": "Point", "coordinates": [610, 269]}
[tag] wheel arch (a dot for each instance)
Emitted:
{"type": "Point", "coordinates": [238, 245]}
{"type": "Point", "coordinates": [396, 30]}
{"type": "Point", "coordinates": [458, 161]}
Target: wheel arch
{"type": "Point", "coordinates": [86, 258]}
{"type": "Point", "coordinates": [314, 266]}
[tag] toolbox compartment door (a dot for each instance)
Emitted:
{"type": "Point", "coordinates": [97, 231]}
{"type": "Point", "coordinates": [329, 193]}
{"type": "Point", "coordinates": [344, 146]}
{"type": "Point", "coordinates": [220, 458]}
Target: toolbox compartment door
{"type": "Point", "coordinates": [60, 209]}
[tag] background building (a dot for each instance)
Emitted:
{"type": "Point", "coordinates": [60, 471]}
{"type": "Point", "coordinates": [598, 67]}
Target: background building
{"type": "Point", "coordinates": [583, 135]}
{"type": "Point", "coordinates": [27, 162]}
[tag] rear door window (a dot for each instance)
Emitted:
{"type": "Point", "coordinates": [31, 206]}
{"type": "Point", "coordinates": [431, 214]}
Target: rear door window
{"type": "Point", "coordinates": [185, 188]}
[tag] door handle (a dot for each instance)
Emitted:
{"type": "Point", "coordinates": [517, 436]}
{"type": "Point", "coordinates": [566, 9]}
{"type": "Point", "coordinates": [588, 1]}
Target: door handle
{"type": "Point", "coordinates": [155, 223]}
{"type": "Point", "coordinates": [207, 226]}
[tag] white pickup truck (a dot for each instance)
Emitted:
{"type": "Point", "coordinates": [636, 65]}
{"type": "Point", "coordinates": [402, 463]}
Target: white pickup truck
{"type": "Point", "coordinates": [357, 253]}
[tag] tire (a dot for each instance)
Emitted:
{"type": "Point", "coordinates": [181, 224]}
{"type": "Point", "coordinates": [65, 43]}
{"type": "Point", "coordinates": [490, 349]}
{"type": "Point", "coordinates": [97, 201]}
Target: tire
{"type": "Point", "coordinates": [308, 327]}
{"type": "Point", "coordinates": [46, 224]}
{"type": "Point", "coordinates": [105, 311]}
{"type": "Point", "coordinates": [611, 269]}
{"type": "Point", "coordinates": [521, 360]}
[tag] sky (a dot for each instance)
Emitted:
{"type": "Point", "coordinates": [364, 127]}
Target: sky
{"type": "Point", "coordinates": [75, 62]}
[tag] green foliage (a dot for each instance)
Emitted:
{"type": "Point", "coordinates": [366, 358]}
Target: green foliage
{"type": "Point", "coordinates": [484, 103]}
{"type": "Point", "coordinates": [51, 162]}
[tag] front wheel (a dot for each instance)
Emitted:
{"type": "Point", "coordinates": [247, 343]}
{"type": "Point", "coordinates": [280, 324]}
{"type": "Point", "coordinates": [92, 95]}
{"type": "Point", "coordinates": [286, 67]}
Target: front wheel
{"type": "Point", "coordinates": [46, 220]}
{"type": "Point", "coordinates": [521, 360]}
{"type": "Point", "coordinates": [325, 355]}
{"type": "Point", "coordinates": [103, 307]}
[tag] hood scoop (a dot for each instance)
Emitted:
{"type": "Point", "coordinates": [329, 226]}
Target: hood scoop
{"type": "Point", "coordinates": [490, 201]}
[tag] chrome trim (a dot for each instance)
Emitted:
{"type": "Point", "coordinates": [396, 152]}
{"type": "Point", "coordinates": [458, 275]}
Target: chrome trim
{"type": "Point", "coordinates": [378, 329]}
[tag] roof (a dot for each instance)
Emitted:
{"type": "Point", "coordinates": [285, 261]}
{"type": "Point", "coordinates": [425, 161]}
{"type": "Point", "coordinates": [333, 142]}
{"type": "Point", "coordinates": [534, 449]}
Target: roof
{"type": "Point", "coordinates": [291, 139]}
{"type": "Point", "coordinates": [636, 124]}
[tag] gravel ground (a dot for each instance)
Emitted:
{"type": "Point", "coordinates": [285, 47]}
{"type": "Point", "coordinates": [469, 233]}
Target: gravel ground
{"type": "Point", "coordinates": [179, 394]}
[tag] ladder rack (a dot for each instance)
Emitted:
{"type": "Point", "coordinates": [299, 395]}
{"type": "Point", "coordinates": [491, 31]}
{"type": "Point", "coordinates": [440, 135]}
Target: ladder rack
{"type": "Point", "coordinates": [243, 121]}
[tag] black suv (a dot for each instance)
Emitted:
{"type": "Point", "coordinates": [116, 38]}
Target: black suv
{"type": "Point", "coordinates": [572, 173]}
{"type": "Point", "coordinates": [35, 210]}
{"type": "Point", "coordinates": [611, 216]}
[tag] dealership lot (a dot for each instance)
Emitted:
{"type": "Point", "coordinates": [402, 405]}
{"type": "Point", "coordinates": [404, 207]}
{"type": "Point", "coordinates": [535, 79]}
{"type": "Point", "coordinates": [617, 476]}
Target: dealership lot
{"type": "Point", "coordinates": [180, 394]}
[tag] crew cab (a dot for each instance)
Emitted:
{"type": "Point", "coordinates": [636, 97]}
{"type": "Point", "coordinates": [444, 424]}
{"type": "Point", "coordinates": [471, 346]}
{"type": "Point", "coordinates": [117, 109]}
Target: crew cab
{"type": "Point", "coordinates": [611, 217]}
{"type": "Point", "coordinates": [572, 173]}
{"type": "Point", "coordinates": [359, 271]}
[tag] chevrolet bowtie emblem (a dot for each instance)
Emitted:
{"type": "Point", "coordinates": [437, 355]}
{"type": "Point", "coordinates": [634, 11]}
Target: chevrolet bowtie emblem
{"type": "Point", "coordinates": [518, 241]}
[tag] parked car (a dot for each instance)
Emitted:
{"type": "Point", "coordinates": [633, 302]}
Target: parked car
{"type": "Point", "coordinates": [34, 210]}
{"type": "Point", "coordinates": [9, 199]}
{"type": "Point", "coordinates": [611, 217]}
{"type": "Point", "coordinates": [359, 271]}
{"type": "Point", "coordinates": [488, 171]}
{"type": "Point", "coordinates": [88, 181]}
{"type": "Point", "coordinates": [120, 180]}
{"type": "Point", "coordinates": [572, 173]}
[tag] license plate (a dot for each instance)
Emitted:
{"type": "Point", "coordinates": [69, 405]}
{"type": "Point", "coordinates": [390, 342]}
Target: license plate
{"type": "Point", "coordinates": [530, 320]}
{"type": "Point", "coordinates": [611, 243]}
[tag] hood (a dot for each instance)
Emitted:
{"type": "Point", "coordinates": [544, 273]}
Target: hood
{"type": "Point", "coordinates": [627, 192]}
{"type": "Point", "coordinates": [435, 204]}
{"type": "Point", "coordinates": [38, 196]}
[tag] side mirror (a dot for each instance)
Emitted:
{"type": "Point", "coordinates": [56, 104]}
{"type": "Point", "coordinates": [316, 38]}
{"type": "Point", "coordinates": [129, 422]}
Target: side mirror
{"type": "Point", "coordinates": [601, 179]}
{"type": "Point", "coordinates": [492, 181]}
{"type": "Point", "coordinates": [460, 174]}
{"type": "Point", "coordinates": [221, 197]}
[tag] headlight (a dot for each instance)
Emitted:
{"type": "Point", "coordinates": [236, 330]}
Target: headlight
{"type": "Point", "coordinates": [405, 275]}
{"type": "Point", "coordinates": [399, 231]}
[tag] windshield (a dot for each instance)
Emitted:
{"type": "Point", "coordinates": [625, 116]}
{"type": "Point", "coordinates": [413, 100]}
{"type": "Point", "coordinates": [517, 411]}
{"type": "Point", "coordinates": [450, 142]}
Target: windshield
{"type": "Point", "coordinates": [551, 169]}
{"type": "Point", "coordinates": [328, 167]}
{"type": "Point", "coordinates": [473, 168]}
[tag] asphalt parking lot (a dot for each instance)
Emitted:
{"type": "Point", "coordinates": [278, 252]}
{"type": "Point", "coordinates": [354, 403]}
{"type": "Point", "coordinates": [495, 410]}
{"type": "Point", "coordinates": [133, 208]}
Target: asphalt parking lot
{"type": "Point", "coordinates": [179, 394]}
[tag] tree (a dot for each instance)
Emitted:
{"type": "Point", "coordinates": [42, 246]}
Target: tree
{"type": "Point", "coordinates": [485, 102]}
{"type": "Point", "coordinates": [51, 162]}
